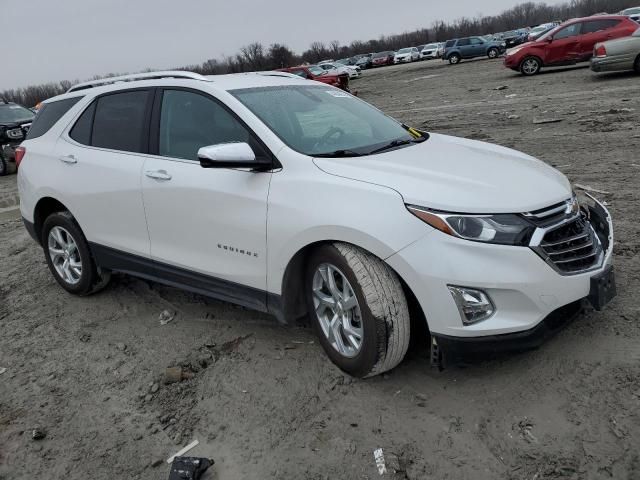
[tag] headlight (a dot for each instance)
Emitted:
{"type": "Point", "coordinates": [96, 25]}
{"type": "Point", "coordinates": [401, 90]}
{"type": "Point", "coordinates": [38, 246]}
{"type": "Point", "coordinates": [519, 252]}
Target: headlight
{"type": "Point", "coordinates": [503, 229]}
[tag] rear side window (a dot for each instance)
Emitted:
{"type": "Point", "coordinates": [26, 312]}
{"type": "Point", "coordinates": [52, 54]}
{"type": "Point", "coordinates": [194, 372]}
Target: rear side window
{"type": "Point", "coordinates": [48, 115]}
{"type": "Point", "coordinates": [81, 131]}
{"type": "Point", "coordinates": [119, 121]}
{"type": "Point", "coordinates": [598, 25]}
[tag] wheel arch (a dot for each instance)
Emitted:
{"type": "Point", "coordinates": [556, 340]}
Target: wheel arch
{"type": "Point", "coordinates": [45, 207]}
{"type": "Point", "coordinates": [293, 304]}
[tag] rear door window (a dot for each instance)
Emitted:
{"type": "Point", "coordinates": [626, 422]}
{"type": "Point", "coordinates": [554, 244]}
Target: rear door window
{"type": "Point", "coordinates": [593, 26]}
{"type": "Point", "coordinates": [48, 115]}
{"type": "Point", "coordinates": [120, 121]}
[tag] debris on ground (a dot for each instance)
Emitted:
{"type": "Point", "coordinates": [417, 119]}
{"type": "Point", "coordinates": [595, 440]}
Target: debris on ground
{"type": "Point", "coordinates": [378, 455]}
{"type": "Point", "coordinates": [183, 451]}
{"type": "Point", "coordinates": [539, 121]}
{"type": "Point", "coordinates": [2, 370]}
{"type": "Point", "coordinates": [189, 468]}
{"type": "Point", "coordinates": [173, 375]}
{"type": "Point", "coordinates": [587, 188]}
{"type": "Point", "coordinates": [38, 434]}
{"type": "Point", "coordinates": [166, 316]}
{"type": "Point", "coordinates": [121, 346]}
{"type": "Point", "coordinates": [501, 87]}
{"type": "Point", "coordinates": [513, 117]}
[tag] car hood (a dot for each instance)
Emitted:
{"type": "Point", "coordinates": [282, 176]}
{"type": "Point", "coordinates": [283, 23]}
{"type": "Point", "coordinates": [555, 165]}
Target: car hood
{"type": "Point", "coordinates": [458, 175]}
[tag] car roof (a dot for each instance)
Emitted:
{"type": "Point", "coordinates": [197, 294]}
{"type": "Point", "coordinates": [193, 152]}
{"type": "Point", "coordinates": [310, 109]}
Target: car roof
{"type": "Point", "coordinates": [226, 82]}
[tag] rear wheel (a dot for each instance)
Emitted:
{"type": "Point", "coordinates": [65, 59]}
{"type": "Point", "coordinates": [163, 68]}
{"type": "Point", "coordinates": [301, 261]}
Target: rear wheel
{"type": "Point", "coordinates": [454, 59]}
{"type": "Point", "coordinates": [358, 309]}
{"type": "Point", "coordinates": [4, 166]}
{"type": "Point", "coordinates": [530, 66]}
{"type": "Point", "coordinates": [68, 256]}
{"type": "Point", "coordinates": [493, 53]}
{"type": "Point", "coordinates": [636, 64]}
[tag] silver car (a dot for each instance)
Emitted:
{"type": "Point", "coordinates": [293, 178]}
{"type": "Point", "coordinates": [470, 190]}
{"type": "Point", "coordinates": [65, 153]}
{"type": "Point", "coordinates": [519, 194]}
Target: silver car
{"type": "Point", "coordinates": [619, 54]}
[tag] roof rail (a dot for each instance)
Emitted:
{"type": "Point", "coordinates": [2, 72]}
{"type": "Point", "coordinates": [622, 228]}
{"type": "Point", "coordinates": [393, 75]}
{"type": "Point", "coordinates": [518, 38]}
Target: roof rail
{"type": "Point", "coordinates": [139, 76]}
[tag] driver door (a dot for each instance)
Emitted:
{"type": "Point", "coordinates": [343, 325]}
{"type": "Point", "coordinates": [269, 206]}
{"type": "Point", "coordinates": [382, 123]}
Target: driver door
{"type": "Point", "coordinates": [565, 46]}
{"type": "Point", "coordinates": [207, 227]}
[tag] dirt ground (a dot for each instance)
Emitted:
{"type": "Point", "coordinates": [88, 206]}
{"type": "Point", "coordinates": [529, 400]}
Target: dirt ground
{"type": "Point", "coordinates": [269, 404]}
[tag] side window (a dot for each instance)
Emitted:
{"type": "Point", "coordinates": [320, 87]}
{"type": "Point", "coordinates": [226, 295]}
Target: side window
{"type": "Point", "coordinates": [81, 131]}
{"type": "Point", "coordinates": [48, 115]}
{"type": "Point", "coordinates": [598, 25]}
{"type": "Point", "coordinates": [570, 31]}
{"type": "Point", "coordinates": [119, 121]}
{"type": "Point", "coordinates": [476, 41]}
{"type": "Point", "coordinates": [190, 121]}
{"type": "Point", "coordinates": [463, 42]}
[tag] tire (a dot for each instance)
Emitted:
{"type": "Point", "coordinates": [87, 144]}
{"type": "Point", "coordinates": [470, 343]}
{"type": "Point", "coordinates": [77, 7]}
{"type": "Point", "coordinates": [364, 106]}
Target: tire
{"type": "Point", "coordinates": [381, 314]}
{"type": "Point", "coordinates": [636, 64]}
{"type": "Point", "coordinates": [89, 279]}
{"type": "Point", "coordinates": [493, 53]}
{"type": "Point", "coordinates": [454, 59]}
{"type": "Point", "coordinates": [530, 66]}
{"type": "Point", "coordinates": [4, 166]}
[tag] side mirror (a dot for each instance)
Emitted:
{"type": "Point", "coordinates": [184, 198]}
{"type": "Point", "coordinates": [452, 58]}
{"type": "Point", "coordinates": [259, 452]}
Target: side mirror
{"type": "Point", "coordinates": [550, 39]}
{"type": "Point", "coordinates": [231, 155]}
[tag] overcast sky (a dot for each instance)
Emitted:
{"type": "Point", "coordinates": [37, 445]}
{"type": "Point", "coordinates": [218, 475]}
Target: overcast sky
{"type": "Point", "coordinates": [50, 40]}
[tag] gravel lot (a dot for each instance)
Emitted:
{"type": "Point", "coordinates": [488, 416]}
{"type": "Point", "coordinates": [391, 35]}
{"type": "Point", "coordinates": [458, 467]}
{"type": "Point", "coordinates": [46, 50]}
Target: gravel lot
{"type": "Point", "coordinates": [269, 404]}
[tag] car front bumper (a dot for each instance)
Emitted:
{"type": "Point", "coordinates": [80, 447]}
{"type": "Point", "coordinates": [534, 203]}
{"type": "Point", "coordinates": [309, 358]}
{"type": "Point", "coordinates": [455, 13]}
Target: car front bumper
{"type": "Point", "coordinates": [522, 286]}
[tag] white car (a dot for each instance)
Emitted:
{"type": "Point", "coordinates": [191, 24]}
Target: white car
{"type": "Point", "coordinates": [632, 13]}
{"type": "Point", "coordinates": [338, 69]}
{"type": "Point", "coordinates": [296, 198]}
{"type": "Point", "coordinates": [432, 50]}
{"type": "Point", "coordinates": [404, 55]}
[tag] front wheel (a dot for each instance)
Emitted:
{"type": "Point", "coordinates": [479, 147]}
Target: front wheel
{"type": "Point", "coordinates": [358, 308]}
{"type": "Point", "coordinates": [530, 66]}
{"type": "Point", "coordinates": [68, 256]}
{"type": "Point", "coordinates": [454, 59]}
{"type": "Point", "coordinates": [4, 166]}
{"type": "Point", "coordinates": [493, 53]}
{"type": "Point", "coordinates": [636, 64]}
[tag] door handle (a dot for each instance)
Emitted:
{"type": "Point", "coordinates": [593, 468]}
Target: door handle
{"type": "Point", "coordinates": [70, 159]}
{"type": "Point", "coordinates": [158, 174]}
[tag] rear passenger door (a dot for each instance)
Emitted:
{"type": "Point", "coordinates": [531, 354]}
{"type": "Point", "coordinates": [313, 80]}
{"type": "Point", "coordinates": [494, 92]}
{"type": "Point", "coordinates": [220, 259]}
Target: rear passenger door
{"type": "Point", "coordinates": [595, 31]}
{"type": "Point", "coordinates": [207, 226]}
{"type": "Point", "coordinates": [98, 167]}
{"type": "Point", "coordinates": [464, 46]}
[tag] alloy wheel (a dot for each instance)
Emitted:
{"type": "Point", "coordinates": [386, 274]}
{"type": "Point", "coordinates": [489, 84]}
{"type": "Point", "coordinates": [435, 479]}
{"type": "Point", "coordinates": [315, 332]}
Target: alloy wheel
{"type": "Point", "coordinates": [493, 53]}
{"type": "Point", "coordinates": [530, 66]}
{"type": "Point", "coordinates": [337, 310]}
{"type": "Point", "coordinates": [64, 254]}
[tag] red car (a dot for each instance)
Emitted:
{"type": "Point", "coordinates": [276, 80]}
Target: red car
{"type": "Point", "coordinates": [320, 75]}
{"type": "Point", "coordinates": [569, 43]}
{"type": "Point", "coordinates": [381, 59]}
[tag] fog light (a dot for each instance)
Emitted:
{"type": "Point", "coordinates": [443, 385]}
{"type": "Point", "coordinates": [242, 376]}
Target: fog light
{"type": "Point", "coordinates": [473, 305]}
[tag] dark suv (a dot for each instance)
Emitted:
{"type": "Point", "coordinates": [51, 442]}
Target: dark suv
{"type": "Point", "coordinates": [14, 124]}
{"type": "Point", "coordinates": [472, 47]}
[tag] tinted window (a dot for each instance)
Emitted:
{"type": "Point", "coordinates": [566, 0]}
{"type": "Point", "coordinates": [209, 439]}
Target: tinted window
{"type": "Point", "coordinates": [463, 42]}
{"type": "Point", "coordinates": [12, 113]}
{"type": "Point", "coordinates": [119, 121]}
{"type": "Point", "coordinates": [48, 115]}
{"type": "Point", "coordinates": [190, 121]}
{"type": "Point", "coordinates": [570, 31]}
{"type": "Point", "coordinates": [476, 41]}
{"type": "Point", "coordinates": [81, 131]}
{"type": "Point", "coordinates": [598, 25]}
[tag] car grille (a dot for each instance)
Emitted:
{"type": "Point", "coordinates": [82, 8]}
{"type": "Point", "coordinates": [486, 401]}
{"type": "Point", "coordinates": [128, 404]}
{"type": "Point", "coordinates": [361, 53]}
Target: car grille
{"type": "Point", "coordinates": [572, 247]}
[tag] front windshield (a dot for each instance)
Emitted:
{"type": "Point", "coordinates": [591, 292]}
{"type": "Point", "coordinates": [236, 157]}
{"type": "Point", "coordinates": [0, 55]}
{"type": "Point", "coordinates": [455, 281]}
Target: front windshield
{"type": "Point", "coordinates": [316, 120]}
{"type": "Point", "coordinates": [404, 50]}
{"type": "Point", "coordinates": [431, 45]}
{"type": "Point", "coordinates": [14, 114]}
{"type": "Point", "coordinates": [551, 32]}
{"type": "Point", "coordinates": [316, 70]}
{"type": "Point", "coordinates": [631, 11]}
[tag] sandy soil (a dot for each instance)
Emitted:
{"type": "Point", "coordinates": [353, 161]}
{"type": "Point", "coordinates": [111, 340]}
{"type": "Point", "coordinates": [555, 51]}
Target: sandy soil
{"type": "Point", "coordinates": [269, 404]}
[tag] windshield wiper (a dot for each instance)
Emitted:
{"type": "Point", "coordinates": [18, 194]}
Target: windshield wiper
{"type": "Point", "coordinates": [339, 154]}
{"type": "Point", "coordinates": [397, 143]}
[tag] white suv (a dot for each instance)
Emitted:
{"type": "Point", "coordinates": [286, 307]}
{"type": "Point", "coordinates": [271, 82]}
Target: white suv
{"type": "Point", "coordinates": [293, 197]}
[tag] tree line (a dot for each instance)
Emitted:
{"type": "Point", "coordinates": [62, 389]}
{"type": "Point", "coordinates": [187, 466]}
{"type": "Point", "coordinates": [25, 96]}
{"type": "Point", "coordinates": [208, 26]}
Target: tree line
{"type": "Point", "coordinates": [255, 56]}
